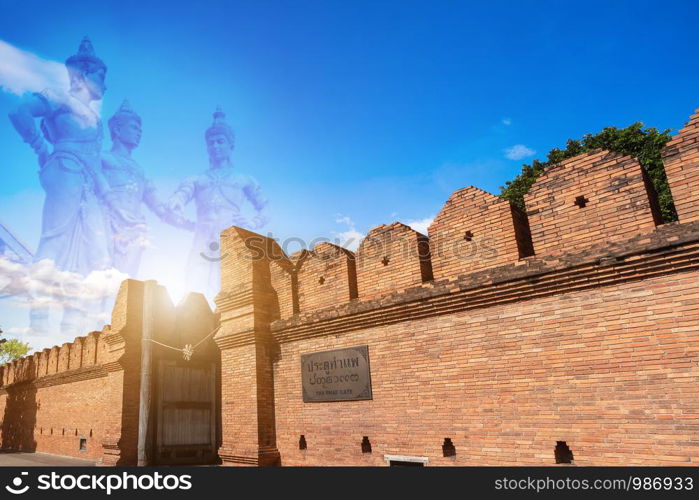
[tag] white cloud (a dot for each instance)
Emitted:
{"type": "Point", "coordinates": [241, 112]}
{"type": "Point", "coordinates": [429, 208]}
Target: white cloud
{"type": "Point", "coordinates": [22, 332]}
{"type": "Point", "coordinates": [39, 340]}
{"type": "Point", "coordinates": [507, 121]}
{"type": "Point", "coordinates": [5, 282]}
{"type": "Point", "coordinates": [340, 219]}
{"type": "Point", "coordinates": [36, 340]}
{"type": "Point", "coordinates": [518, 151]}
{"type": "Point", "coordinates": [43, 285]}
{"type": "Point", "coordinates": [421, 225]}
{"type": "Point", "coordinates": [22, 71]}
{"type": "Point", "coordinates": [351, 238]}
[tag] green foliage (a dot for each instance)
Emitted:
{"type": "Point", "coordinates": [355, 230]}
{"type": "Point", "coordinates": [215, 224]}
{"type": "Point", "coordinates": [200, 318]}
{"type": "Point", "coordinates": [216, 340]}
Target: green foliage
{"type": "Point", "coordinates": [644, 144]}
{"type": "Point", "coordinates": [13, 349]}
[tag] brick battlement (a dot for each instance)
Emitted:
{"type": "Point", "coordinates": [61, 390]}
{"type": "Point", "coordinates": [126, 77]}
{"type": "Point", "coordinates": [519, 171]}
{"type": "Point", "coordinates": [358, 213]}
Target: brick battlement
{"type": "Point", "coordinates": [327, 276]}
{"type": "Point", "coordinates": [591, 201]}
{"type": "Point", "coordinates": [476, 230]}
{"type": "Point", "coordinates": [83, 352]}
{"type": "Point", "coordinates": [672, 248]}
{"type": "Point", "coordinates": [597, 196]}
{"type": "Point", "coordinates": [392, 257]}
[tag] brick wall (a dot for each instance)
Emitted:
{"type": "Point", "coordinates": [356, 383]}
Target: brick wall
{"type": "Point", "coordinates": [610, 371]}
{"type": "Point", "coordinates": [582, 328]}
{"type": "Point", "coordinates": [51, 411]}
{"type": "Point", "coordinates": [510, 362]}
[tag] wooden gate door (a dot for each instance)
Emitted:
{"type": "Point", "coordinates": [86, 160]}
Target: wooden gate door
{"type": "Point", "coordinates": [185, 400]}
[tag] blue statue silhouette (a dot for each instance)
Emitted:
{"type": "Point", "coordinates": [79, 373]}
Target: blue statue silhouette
{"type": "Point", "coordinates": [73, 230]}
{"type": "Point", "coordinates": [130, 190]}
{"type": "Point", "coordinates": [219, 195]}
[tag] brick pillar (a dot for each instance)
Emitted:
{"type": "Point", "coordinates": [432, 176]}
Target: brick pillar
{"type": "Point", "coordinates": [119, 352]}
{"type": "Point", "coordinates": [247, 305]}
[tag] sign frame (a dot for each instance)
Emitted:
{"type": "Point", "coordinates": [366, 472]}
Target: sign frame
{"type": "Point", "coordinates": [359, 390]}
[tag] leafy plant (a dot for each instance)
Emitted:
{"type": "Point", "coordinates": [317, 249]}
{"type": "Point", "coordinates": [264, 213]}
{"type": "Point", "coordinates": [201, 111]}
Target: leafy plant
{"type": "Point", "coordinates": [12, 349]}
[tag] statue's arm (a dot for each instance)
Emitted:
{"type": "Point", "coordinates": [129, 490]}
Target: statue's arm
{"type": "Point", "coordinates": [159, 208]}
{"type": "Point", "coordinates": [182, 195]}
{"type": "Point", "coordinates": [260, 203]}
{"type": "Point", "coordinates": [152, 201]}
{"type": "Point", "coordinates": [102, 187]}
{"type": "Point", "coordinates": [23, 120]}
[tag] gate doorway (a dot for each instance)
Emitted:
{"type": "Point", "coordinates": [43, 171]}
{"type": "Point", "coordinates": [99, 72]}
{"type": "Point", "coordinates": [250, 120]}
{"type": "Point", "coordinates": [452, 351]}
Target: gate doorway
{"type": "Point", "coordinates": [185, 413]}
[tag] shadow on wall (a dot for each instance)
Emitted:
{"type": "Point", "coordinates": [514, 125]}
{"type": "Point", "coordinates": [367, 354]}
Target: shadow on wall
{"type": "Point", "coordinates": [19, 420]}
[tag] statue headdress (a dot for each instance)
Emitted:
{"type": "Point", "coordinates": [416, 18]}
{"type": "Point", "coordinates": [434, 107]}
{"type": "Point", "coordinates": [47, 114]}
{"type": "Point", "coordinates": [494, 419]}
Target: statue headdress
{"type": "Point", "coordinates": [125, 112]}
{"type": "Point", "coordinates": [220, 126]}
{"type": "Point", "coordinates": [85, 59]}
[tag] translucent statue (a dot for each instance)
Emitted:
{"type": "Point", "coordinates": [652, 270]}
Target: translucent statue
{"type": "Point", "coordinates": [130, 189]}
{"type": "Point", "coordinates": [73, 231]}
{"type": "Point", "coordinates": [219, 194]}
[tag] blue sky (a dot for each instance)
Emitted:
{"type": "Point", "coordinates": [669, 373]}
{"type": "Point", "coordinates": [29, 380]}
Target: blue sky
{"type": "Point", "coordinates": [373, 111]}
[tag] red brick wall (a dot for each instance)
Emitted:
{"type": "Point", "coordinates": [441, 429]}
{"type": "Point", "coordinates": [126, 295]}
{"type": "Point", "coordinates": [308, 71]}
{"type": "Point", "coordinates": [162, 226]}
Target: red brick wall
{"type": "Point", "coordinates": [617, 204]}
{"type": "Point", "coordinates": [51, 413]}
{"type": "Point", "coordinates": [681, 159]}
{"type": "Point", "coordinates": [64, 414]}
{"type": "Point", "coordinates": [76, 354]}
{"type": "Point", "coordinates": [612, 371]}
{"type": "Point", "coordinates": [606, 361]}
{"type": "Point", "coordinates": [593, 341]}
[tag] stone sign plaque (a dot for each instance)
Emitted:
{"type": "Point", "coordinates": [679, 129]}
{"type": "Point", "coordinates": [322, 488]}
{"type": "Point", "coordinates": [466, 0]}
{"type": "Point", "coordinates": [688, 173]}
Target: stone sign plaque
{"type": "Point", "coordinates": [338, 375]}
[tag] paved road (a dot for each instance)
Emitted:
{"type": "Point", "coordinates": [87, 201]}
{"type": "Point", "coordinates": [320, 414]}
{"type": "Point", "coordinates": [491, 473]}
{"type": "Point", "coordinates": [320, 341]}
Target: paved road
{"type": "Point", "coordinates": [24, 459]}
